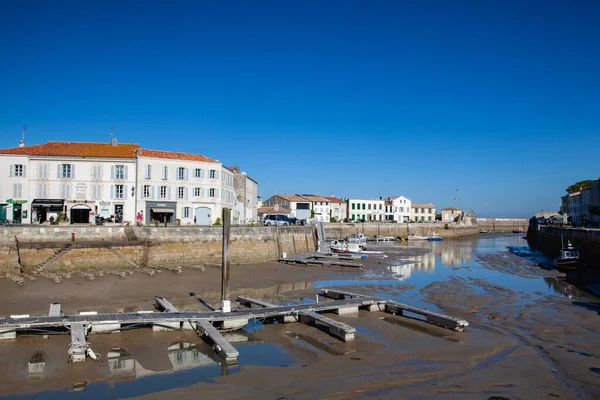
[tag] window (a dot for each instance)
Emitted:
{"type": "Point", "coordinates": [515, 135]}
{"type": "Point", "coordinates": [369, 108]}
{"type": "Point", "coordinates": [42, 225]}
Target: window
{"type": "Point", "coordinates": [197, 192]}
{"type": "Point", "coordinates": [97, 172]}
{"type": "Point", "coordinates": [369, 207]}
{"type": "Point", "coordinates": [211, 192]}
{"type": "Point", "coordinates": [17, 190]}
{"type": "Point", "coordinates": [96, 192]}
{"type": "Point", "coordinates": [42, 171]}
{"type": "Point", "coordinates": [146, 191]}
{"type": "Point", "coordinates": [353, 207]}
{"type": "Point", "coordinates": [165, 173]}
{"type": "Point", "coordinates": [163, 192]}
{"type": "Point", "coordinates": [18, 170]}
{"type": "Point", "coordinates": [65, 190]}
{"type": "Point", "coordinates": [380, 206]}
{"type": "Point", "coordinates": [198, 173]}
{"type": "Point", "coordinates": [148, 172]}
{"type": "Point", "coordinates": [181, 173]}
{"type": "Point", "coordinates": [119, 172]}
{"type": "Point", "coordinates": [119, 191]}
{"type": "Point", "coordinates": [180, 192]}
{"type": "Point", "coordinates": [66, 171]}
{"type": "Point", "coordinates": [353, 215]}
{"type": "Point", "coordinates": [186, 212]}
{"type": "Point", "coordinates": [212, 174]}
{"type": "Point", "coordinates": [43, 191]}
{"type": "Point", "coordinates": [363, 207]}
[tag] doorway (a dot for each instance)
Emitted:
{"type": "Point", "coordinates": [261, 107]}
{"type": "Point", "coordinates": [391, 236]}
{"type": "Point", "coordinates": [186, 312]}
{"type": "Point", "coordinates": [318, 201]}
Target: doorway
{"type": "Point", "coordinates": [202, 216]}
{"type": "Point", "coordinates": [80, 214]}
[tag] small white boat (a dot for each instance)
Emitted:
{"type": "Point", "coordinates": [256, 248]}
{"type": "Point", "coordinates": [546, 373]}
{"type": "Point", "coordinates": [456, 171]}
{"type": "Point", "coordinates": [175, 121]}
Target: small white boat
{"type": "Point", "coordinates": [434, 237]}
{"type": "Point", "coordinates": [385, 239]}
{"type": "Point", "coordinates": [354, 249]}
{"type": "Point", "coordinates": [416, 237]}
{"type": "Point", "coordinates": [569, 258]}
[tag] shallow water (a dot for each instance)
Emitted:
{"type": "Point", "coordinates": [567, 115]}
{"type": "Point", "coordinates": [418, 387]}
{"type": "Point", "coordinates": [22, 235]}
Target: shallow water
{"type": "Point", "coordinates": [409, 268]}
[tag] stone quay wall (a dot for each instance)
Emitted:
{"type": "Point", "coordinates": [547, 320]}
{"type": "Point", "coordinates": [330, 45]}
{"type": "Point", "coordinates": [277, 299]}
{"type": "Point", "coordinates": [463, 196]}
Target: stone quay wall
{"type": "Point", "coordinates": [445, 230]}
{"type": "Point", "coordinates": [550, 239]}
{"type": "Point", "coordinates": [105, 247]}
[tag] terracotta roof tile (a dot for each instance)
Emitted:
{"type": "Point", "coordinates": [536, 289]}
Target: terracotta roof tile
{"type": "Point", "coordinates": [292, 197]}
{"type": "Point", "coordinates": [173, 155]}
{"type": "Point", "coordinates": [332, 199]}
{"type": "Point", "coordinates": [422, 206]}
{"type": "Point", "coordinates": [450, 209]}
{"type": "Point", "coordinates": [76, 149]}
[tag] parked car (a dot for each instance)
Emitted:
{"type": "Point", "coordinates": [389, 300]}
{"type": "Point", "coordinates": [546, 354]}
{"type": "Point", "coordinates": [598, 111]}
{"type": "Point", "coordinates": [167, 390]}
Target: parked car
{"type": "Point", "coordinates": [275, 220]}
{"type": "Point", "coordinates": [294, 221]}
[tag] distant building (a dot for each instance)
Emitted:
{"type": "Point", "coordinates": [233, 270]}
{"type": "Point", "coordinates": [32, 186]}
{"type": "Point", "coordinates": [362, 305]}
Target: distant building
{"type": "Point", "coordinates": [339, 209]}
{"type": "Point", "coordinates": [595, 199]}
{"type": "Point", "coordinates": [246, 190]}
{"type": "Point", "coordinates": [303, 206]}
{"type": "Point", "coordinates": [401, 209]}
{"type": "Point", "coordinates": [422, 212]}
{"type": "Point", "coordinates": [368, 210]}
{"type": "Point", "coordinates": [450, 214]}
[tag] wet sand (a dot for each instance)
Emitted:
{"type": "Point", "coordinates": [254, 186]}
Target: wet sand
{"type": "Point", "coordinates": [518, 344]}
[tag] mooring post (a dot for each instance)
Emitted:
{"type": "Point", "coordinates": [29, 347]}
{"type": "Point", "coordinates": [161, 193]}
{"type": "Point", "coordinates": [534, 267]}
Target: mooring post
{"type": "Point", "coordinates": [225, 302]}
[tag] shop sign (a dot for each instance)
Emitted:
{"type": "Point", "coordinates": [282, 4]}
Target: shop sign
{"type": "Point", "coordinates": [11, 201]}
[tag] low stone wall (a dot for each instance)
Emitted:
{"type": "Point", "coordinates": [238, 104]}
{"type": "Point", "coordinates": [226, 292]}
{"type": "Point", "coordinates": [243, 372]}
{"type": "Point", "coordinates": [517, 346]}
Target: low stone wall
{"type": "Point", "coordinates": [550, 239]}
{"type": "Point", "coordinates": [118, 247]}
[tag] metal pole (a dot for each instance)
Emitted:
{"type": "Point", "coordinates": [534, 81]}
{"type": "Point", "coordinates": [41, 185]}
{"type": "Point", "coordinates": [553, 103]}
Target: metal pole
{"type": "Point", "coordinates": [225, 303]}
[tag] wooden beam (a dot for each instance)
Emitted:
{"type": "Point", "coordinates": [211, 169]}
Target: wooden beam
{"type": "Point", "coordinates": [164, 305]}
{"type": "Point", "coordinates": [212, 336]}
{"type": "Point", "coordinates": [78, 342]}
{"type": "Point", "coordinates": [55, 310]}
{"type": "Point", "coordinates": [340, 294]}
{"type": "Point", "coordinates": [431, 317]}
{"type": "Point", "coordinates": [337, 329]}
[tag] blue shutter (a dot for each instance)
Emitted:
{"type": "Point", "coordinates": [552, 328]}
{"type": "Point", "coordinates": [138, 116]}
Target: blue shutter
{"type": "Point", "coordinates": [187, 174]}
{"type": "Point", "coordinates": [186, 193]}
{"type": "Point", "coordinates": [152, 192]}
{"type": "Point", "coordinates": [58, 171]}
{"type": "Point", "coordinates": [112, 191]}
{"type": "Point", "coordinates": [112, 172]}
{"type": "Point", "coordinates": [169, 192]}
{"type": "Point", "coordinates": [125, 173]}
{"type": "Point", "coordinates": [24, 171]}
{"type": "Point", "coordinates": [124, 191]}
{"type": "Point", "coordinates": [11, 170]}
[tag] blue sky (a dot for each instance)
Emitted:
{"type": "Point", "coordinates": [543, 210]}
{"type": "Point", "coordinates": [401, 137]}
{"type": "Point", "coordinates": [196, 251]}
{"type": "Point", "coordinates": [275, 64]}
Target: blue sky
{"type": "Point", "coordinates": [498, 99]}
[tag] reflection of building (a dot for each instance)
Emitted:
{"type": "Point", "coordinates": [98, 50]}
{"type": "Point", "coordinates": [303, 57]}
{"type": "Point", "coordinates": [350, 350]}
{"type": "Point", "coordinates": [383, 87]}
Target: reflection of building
{"type": "Point", "coordinates": [452, 254]}
{"type": "Point", "coordinates": [401, 272]}
{"type": "Point", "coordinates": [36, 365]}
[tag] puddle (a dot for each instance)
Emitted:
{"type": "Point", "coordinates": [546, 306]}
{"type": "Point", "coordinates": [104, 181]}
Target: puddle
{"type": "Point", "coordinates": [122, 375]}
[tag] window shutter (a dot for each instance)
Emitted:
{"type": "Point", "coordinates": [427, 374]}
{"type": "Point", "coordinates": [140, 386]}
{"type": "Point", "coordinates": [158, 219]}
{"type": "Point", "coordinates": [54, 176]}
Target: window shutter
{"type": "Point", "coordinates": [45, 171]}
{"type": "Point", "coordinates": [152, 192]}
{"type": "Point", "coordinates": [112, 172]}
{"type": "Point", "coordinates": [186, 193]}
{"type": "Point", "coordinates": [58, 171]}
{"type": "Point", "coordinates": [187, 174]}
{"type": "Point", "coordinates": [126, 172]}
{"type": "Point", "coordinates": [124, 191]}
{"type": "Point", "coordinates": [11, 170]}
{"type": "Point", "coordinates": [169, 193]}
{"type": "Point", "coordinates": [202, 192]}
{"type": "Point", "coordinates": [72, 171]}
{"type": "Point", "coordinates": [112, 191]}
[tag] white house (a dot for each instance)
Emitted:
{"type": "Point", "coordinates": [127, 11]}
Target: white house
{"type": "Point", "coordinates": [401, 207]}
{"type": "Point", "coordinates": [422, 212]}
{"type": "Point", "coordinates": [369, 210]}
{"type": "Point", "coordinates": [449, 214]}
{"type": "Point", "coordinates": [187, 187]}
{"type": "Point", "coordinates": [78, 179]}
{"type": "Point", "coordinates": [338, 207]}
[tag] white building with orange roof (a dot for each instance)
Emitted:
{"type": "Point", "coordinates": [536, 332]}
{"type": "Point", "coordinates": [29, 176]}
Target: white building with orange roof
{"type": "Point", "coordinates": [422, 212]}
{"type": "Point", "coordinates": [183, 187]}
{"type": "Point", "coordinates": [77, 180]}
{"type": "Point", "coordinates": [339, 209]}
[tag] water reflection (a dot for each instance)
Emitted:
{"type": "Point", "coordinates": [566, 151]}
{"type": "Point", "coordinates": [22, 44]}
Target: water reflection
{"type": "Point", "coordinates": [36, 365]}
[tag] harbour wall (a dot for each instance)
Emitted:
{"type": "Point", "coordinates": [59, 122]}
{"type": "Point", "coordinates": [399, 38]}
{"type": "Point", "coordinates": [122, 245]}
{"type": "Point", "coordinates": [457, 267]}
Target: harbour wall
{"type": "Point", "coordinates": [116, 247]}
{"type": "Point", "coordinates": [550, 239]}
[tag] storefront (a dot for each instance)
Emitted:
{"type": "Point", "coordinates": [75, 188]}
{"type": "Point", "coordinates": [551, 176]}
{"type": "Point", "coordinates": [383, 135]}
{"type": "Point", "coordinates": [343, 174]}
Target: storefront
{"type": "Point", "coordinates": [80, 214]}
{"type": "Point", "coordinates": [161, 212]}
{"type": "Point", "coordinates": [3, 208]}
{"type": "Point", "coordinates": [17, 214]}
{"type": "Point", "coordinates": [43, 209]}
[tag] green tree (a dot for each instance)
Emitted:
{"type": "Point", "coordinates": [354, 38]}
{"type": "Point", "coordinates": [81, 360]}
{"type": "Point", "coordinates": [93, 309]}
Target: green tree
{"type": "Point", "coordinates": [579, 186]}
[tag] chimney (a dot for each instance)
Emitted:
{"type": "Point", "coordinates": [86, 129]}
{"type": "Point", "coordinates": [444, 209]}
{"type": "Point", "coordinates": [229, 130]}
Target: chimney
{"type": "Point", "coordinates": [113, 142]}
{"type": "Point", "coordinates": [21, 143]}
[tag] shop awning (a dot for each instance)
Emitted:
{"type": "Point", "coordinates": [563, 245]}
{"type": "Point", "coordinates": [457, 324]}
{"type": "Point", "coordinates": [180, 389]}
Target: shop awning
{"type": "Point", "coordinates": [48, 203]}
{"type": "Point", "coordinates": [161, 210]}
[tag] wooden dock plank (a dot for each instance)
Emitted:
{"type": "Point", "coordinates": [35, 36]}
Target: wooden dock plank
{"type": "Point", "coordinates": [164, 304]}
{"type": "Point", "coordinates": [432, 317]}
{"type": "Point", "coordinates": [337, 329]}
{"type": "Point", "coordinates": [78, 343]}
{"type": "Point", "coordinates": [219, 344]}
{"type": "Point", "coordinates": [55, 310]}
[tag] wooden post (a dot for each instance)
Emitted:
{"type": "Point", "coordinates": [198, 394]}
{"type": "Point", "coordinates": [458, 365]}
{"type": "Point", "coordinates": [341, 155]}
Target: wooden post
{"type": "Point", "coordinates": [225, 303]}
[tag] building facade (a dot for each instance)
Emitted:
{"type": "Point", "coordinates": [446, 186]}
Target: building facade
{"type": "Point", "coordinates": [450, 214]}
{"type": "Point", "coordinates": [246, 190]}
{"type": "Point", "coordinates": [338, 208]}
{"type": "Point", "coordinates": [595, 201]}
{"type": "Point", "coordinates": [121, 182]}
{"type": "Point", "coordinates": [367, 210]}
{"type": "Point", "coordinates": [401, 209]}
{"type": "Point", "coordinates": [422, 212]}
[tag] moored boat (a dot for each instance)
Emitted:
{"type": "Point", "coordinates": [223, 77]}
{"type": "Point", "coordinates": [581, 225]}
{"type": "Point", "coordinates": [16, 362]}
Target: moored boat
{"type": "Point", "coordinates": [434, 237]}
{"type": "Point", "coordinates": [568, 259]}
{"type": "Point", "coordinates": [355, 249]}
{"type": "Point", "coordinates": [416, 237]}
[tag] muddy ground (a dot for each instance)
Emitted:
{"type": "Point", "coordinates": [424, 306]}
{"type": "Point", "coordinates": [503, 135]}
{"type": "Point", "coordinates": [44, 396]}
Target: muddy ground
{"type": "Point", "coordinates": [518, 345]}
